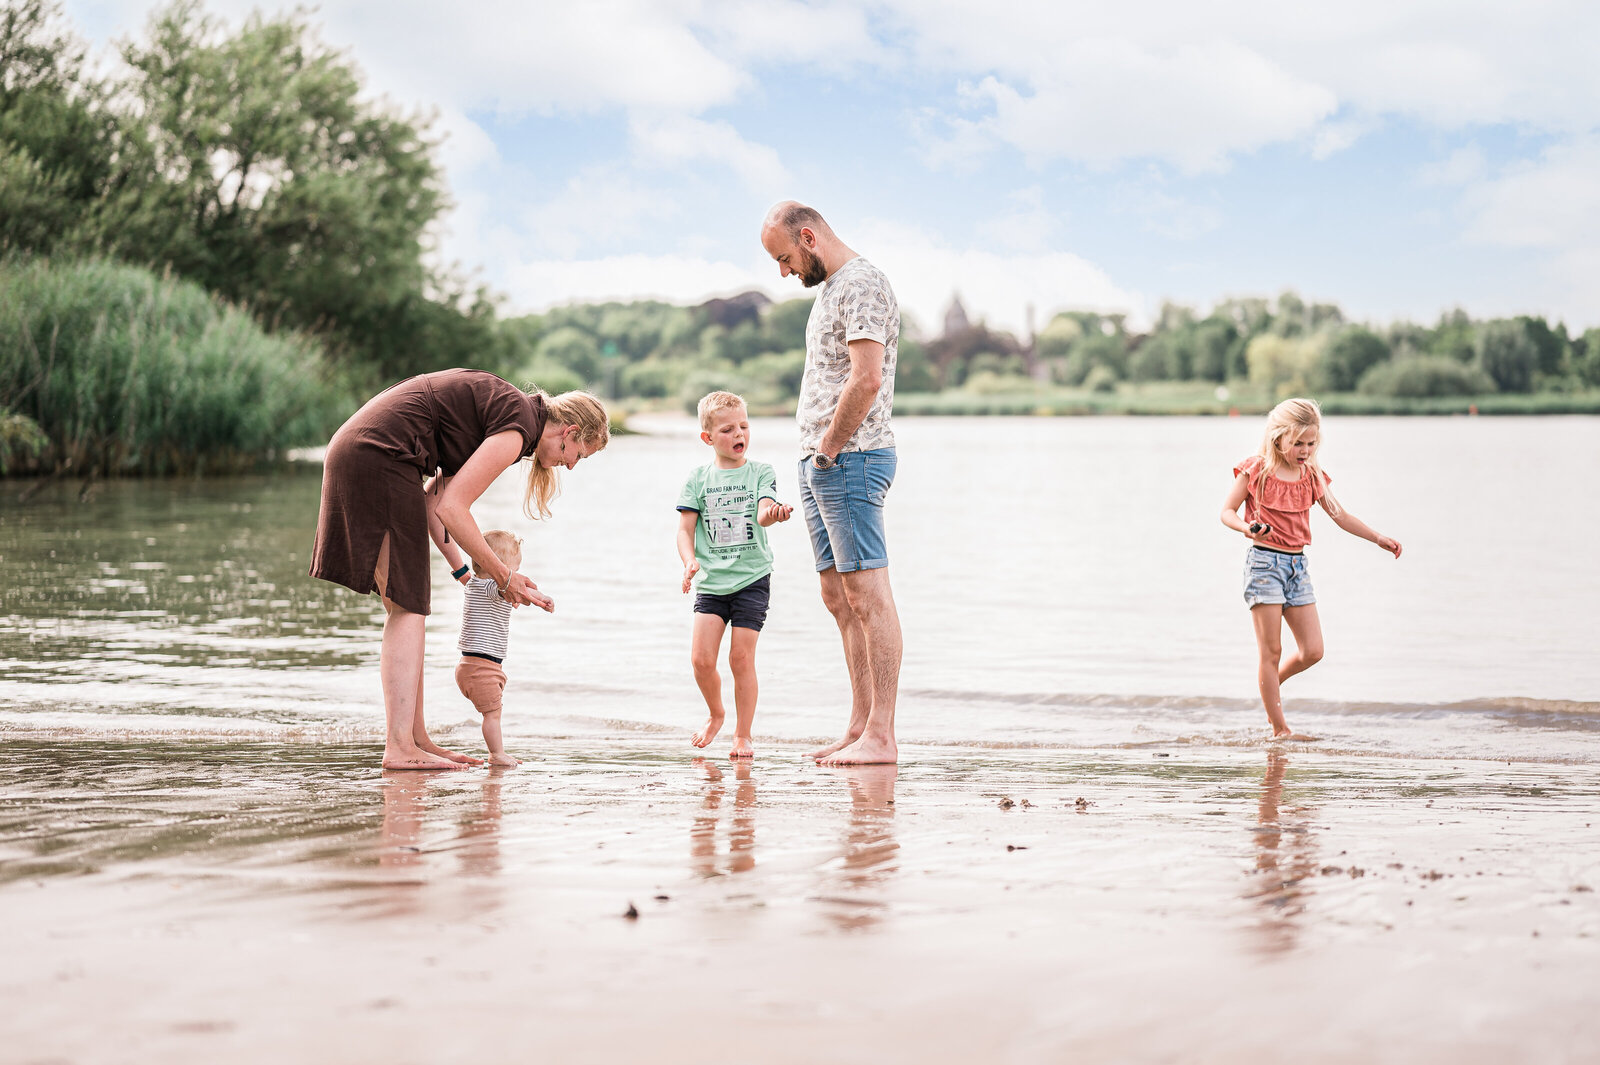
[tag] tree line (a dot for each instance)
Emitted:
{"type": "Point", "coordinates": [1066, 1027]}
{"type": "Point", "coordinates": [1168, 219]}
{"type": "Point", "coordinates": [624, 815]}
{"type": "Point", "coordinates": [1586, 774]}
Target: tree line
{"type": "Point", "coordinates": [239, 183]}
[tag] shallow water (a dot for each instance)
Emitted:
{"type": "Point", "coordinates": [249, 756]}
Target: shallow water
{"type": "Point", "coordinates": [1062, 582]}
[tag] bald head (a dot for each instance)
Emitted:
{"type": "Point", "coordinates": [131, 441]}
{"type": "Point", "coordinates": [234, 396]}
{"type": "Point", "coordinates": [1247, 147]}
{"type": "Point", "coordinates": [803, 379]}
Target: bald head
{"type": "Point", "coordinates": [801, 243]}
{"type": "Point", "coordinates": [790, 217]}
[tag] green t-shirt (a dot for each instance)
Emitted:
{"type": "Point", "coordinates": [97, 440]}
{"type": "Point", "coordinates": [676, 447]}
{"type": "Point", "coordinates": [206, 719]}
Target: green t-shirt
{"type": "Point", "coordinates": [730, 545]}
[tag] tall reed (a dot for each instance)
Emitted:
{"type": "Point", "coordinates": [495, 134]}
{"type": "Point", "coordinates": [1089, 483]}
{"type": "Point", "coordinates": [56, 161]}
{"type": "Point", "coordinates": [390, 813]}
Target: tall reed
{"type": "Point", "coordinates": [129, 373]}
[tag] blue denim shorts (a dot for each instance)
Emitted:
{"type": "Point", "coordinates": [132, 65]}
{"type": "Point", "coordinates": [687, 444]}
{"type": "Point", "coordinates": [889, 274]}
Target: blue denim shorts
{"type": "Point", "coordinates": [1277, 577]}
{"type": "Point", "coordinates": [844, 509]}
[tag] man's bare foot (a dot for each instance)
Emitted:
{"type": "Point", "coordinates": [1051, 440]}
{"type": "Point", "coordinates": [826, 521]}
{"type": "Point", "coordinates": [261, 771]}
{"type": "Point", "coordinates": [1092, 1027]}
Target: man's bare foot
{"type": "Point", "coordinates": [704, 737]}
{"type": "Point", "coordinates": [504, 759]}
{"type": "Point", "coordinates": [868, 750]}
{"type": "Point", "coordinates": [742, 748]}
{"type": "Point", "coordinates": [413, 758]}
{"type": "Point", "coordinates": [838, 745]}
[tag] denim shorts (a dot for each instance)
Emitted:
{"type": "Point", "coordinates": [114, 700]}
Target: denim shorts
{"type": "Point", "coordinates": [844, 509]}
{"type": "Point", "coordinates": [744, 609]}
{"type": "Point", "coordinates": [1277, 577]}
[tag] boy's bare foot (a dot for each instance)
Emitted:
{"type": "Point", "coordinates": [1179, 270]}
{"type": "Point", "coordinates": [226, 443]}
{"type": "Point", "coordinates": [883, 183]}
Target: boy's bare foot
{"type": "Point", "coordinates": [704, 737]}
{"type": "Point", "coordinates": [504, 759]}
{"type": "Point", "coordinates": [868, 750]}
{"type": "Point", "coordinates": [838, 745]}
{"type": "Point", "coordinates": [742, 748]}
{"type": "Point", "coordinates": [414, 758]}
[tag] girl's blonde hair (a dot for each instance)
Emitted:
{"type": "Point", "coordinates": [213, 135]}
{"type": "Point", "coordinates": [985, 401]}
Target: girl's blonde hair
{"type": "Point", "coordinates": [594, 429]}
{"type": "Point", "coordinates": [1287, 423]}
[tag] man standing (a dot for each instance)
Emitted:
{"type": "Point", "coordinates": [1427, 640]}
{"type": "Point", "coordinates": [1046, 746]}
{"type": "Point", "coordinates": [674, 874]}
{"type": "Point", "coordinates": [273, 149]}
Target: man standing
{"type": "Point", "coordinates": [848, 462]}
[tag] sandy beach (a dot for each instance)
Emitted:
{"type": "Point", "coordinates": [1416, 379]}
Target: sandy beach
{"type": "Point", "coordinates": [194, 901]}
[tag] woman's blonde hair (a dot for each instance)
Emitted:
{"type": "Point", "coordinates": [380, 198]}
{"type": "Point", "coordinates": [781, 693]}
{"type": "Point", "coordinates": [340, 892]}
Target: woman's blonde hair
{"type": "Point", "coordinates": [1287, 423]}
{"type": "Point", "coordinates": [594, 429]}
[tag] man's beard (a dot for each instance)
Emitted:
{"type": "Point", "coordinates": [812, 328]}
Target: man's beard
{"type": "Point", "coordinates": [811, 271]}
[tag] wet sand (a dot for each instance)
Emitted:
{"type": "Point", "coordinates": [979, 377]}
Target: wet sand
{"type": "Point", "coordinates": [205, 901]}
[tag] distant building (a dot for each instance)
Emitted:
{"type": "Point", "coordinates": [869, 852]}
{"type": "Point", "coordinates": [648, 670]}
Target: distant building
{"type": "Point", "coordinates": [745, 307]}
{"type": "Point", "coordinates": [955, 318]}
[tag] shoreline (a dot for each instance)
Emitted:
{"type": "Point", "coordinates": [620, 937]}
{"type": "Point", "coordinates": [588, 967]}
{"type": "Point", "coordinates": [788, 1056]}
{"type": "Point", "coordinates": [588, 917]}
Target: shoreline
{"type": "Point", "coordinates": [1211, 903]}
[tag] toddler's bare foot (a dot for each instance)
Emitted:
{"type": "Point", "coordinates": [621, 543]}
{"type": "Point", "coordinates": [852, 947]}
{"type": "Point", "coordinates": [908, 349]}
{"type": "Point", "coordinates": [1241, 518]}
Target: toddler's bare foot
{"type": "Point", "coordinates": [415, 758]}
{"type": "Point", "coordinates": [742, 748]}
{"type": "Point", "coordinates": [1290, 734]}
{"type": "Point", "coordinates": [704, 737]}
{"type": "Point", "coordinates": [868, 750]}
{"type": "Point", "coordinates": [823, 752]}
{"type": "Point", "coordinates": [504, 759]}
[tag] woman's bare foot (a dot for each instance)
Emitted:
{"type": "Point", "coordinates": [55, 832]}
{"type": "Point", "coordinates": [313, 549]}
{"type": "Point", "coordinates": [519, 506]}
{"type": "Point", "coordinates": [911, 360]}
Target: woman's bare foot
{"type": "Point", "coordinates": [428, 745]}
{"type": "Point", "coordinates": [838, 745]}
{"type": "Point", "coordinates": [415, 758]}
{"type": "Point", "coordinates": [704, 737]}
{"type": "Point", "coordinates": [868, 750]}
{"type": "Point", "coordinates": [742, 748]}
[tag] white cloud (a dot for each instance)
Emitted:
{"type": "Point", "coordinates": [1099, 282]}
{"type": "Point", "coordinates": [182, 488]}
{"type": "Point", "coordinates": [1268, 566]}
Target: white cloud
{"type": "Point", "coordinates": [1551, 205]}
{"type": "Point", "coordinates": [1194, 105]}
{"type": "Point", "coordinates": [1461, 166]}
{"type": "Point", "coordinates": [538, 284]}
{"type": "Point", "coordinates": [1026, 226]}
{"type": "Point", "coordinates": [674, 140]}
{"type": "Point", "coordinates": [926, 272]}
{"type": "Point", "coordinates": [598, 205]}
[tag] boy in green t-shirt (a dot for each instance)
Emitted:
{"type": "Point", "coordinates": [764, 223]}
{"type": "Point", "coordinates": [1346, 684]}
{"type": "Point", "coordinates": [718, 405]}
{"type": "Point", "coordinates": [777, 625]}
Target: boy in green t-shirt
{"type": "Point", "coordinates": [723, 512]}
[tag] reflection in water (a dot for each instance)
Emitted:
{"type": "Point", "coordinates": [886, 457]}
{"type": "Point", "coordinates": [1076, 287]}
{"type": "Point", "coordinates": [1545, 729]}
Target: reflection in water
{"type": "Point", "coordinates": [405, 844]}
{"type": "Point", "coordinates": [704, 860]}
{"type": "Point", "coordinates": [855, 879]}
{"type": "Point", "coordinates": [1285, 861]}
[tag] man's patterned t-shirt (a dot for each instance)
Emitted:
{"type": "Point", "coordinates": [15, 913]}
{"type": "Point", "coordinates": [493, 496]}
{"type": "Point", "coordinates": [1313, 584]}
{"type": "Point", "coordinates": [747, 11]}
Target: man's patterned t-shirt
{"type": "Point", "coordinates": [856, 303]}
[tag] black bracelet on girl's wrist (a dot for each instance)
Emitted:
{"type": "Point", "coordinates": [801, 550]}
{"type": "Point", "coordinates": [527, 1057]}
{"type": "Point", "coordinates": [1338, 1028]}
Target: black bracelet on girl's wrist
{"type": "Point", "coordinates": [456, 575]}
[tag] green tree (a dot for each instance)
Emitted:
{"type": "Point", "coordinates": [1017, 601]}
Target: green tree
{"type": "Point", "coordinates": [572, 348]}
{"type": "Point", "coordinates": [1351, 354]}
{"type": "Point", "coordinates": [1508, 355]}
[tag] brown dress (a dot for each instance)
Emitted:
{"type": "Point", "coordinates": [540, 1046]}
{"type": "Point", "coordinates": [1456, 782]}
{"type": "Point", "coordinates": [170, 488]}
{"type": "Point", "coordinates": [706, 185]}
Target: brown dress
{"type": "Point", "coordinates": [373, 472]}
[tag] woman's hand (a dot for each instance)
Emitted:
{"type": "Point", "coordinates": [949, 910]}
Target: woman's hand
{"type": "Point", "coordinates": [519, 590]}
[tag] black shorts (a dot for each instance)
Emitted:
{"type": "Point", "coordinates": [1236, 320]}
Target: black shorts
{"type": "Point", "coordinates": [746, 608]}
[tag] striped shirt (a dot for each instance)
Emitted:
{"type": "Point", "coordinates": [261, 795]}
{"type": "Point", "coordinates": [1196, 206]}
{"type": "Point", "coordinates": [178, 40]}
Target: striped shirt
{"type": "Point", "coordinates": [486, 621]}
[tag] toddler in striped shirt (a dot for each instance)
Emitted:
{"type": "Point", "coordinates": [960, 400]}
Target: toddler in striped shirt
{"type": "Point", "coordinates": [485, 627]}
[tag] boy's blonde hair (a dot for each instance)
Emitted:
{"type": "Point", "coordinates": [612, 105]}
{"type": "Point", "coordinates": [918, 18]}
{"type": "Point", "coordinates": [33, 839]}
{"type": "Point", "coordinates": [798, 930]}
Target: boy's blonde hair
{"type": "Point", "coordinates": [594, 427]}
{"type": "Point", "coordinates": [506, 547]}
{"type": "Point", "coordinates": [714, 403]}
{"type": "Point", "coordinates": [1287, 423]}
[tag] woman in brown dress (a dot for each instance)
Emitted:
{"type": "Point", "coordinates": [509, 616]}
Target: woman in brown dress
{"type": "Point", "coordinates": [456, 430]}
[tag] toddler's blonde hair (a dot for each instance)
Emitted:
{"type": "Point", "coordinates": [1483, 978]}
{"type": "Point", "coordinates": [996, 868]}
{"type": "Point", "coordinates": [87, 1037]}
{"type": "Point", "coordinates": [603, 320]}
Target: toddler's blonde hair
{"type": "Point", "coordinates": [1287, 423]}
{"type": "Point", "coordinates": [506, 547]}
{"type": "Point", "coordinates": [714, 403]}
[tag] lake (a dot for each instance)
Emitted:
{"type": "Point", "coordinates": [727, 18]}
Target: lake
{"type": "Point", "coordinates": [1063, 583]}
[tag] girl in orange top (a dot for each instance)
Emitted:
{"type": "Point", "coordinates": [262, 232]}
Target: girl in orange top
{"type": "Point", "coordinates": [1277, 487]}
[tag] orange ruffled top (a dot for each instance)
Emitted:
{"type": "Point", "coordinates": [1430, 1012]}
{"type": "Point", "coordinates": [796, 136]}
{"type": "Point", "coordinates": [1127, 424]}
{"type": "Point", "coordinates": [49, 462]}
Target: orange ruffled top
{"type": "Point", "coordinates": [1284, 505]}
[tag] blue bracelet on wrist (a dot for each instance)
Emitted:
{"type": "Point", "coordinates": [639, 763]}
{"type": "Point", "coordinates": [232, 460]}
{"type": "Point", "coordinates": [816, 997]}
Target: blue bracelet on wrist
{"type": "Point", "coordinates": [462, 572]}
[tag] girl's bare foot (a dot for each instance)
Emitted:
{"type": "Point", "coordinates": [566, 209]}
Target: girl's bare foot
{"type": "Point", "coordinates": [868, 750]}
{"type": "Point", "coordinates": [713, 726]}
{"type": "Point", "coordinates": [415, 758]}
{"type": "Point", "coordinates": [742, 748]}
{"type": "Point", "coordinates": [838, 745]}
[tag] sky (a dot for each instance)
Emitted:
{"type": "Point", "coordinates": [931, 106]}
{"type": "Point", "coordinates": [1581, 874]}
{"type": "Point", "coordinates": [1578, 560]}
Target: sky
{"type": "Point", "coordinates": [1399, 158]}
